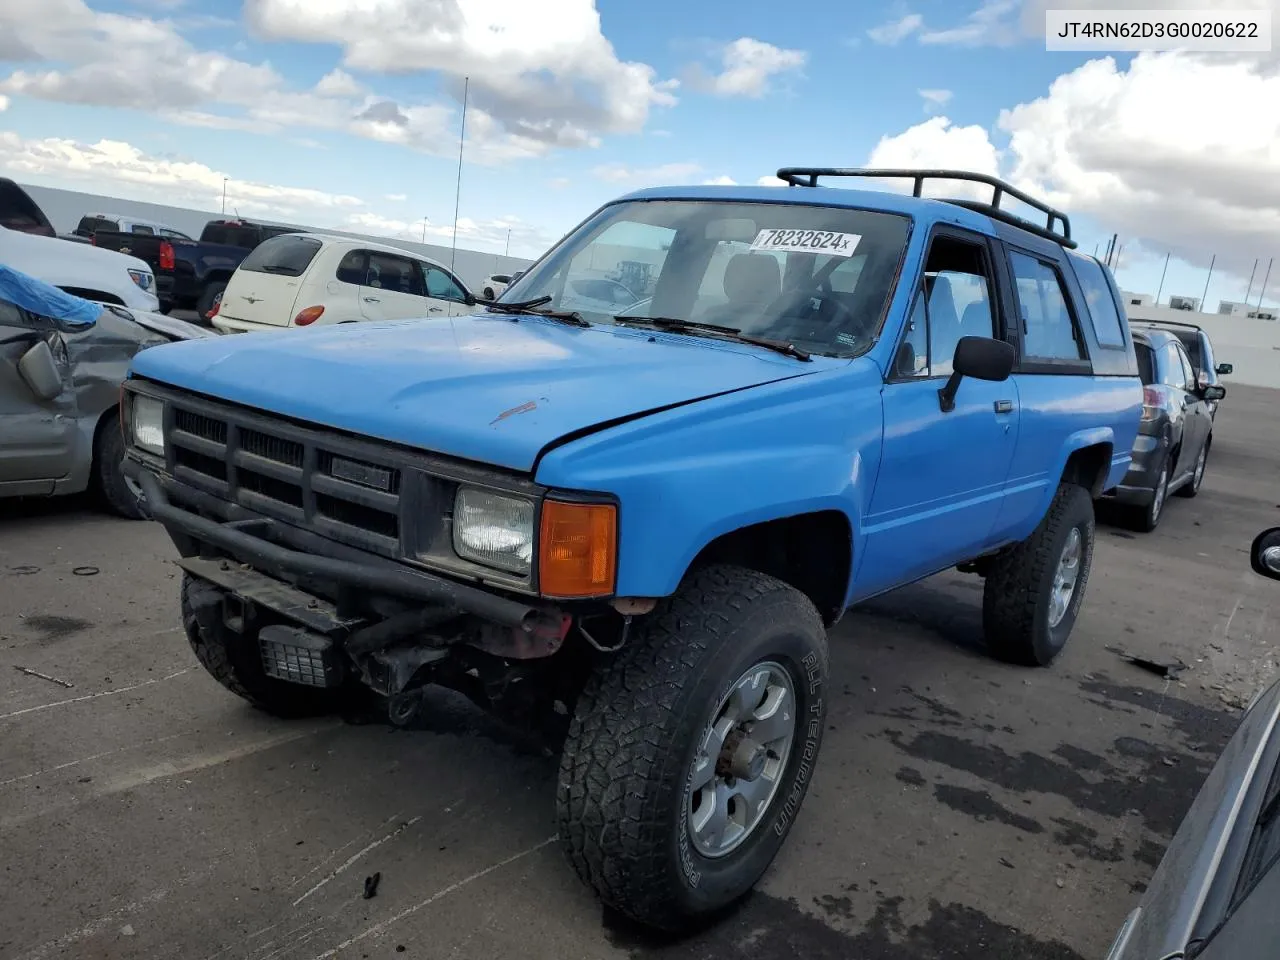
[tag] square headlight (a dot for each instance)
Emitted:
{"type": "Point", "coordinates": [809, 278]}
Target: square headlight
{"type": "Point", "coordinates": [493, 529]}
{"type": "Point", "coordinates": [146, 422]}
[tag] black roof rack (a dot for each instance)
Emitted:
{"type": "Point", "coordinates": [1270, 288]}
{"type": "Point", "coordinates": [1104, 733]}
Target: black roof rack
{"type": "Point", "coordinates": [1169, 323]}
{"type": "Point", "coordinates": [808, 177]}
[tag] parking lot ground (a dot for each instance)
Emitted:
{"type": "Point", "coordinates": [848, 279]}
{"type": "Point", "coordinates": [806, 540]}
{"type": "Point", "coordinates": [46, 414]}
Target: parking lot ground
{"type": "Point", "coordinates": [961, 808]}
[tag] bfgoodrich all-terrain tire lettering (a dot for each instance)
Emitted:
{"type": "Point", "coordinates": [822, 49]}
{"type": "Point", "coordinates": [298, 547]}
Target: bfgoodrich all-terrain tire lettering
{"type": "Point", "coordinates": [234, 661]}
{"type": "Point", "coordinates": [638, 731]}
{"type": "Point", "coordinates": [1018, 609]}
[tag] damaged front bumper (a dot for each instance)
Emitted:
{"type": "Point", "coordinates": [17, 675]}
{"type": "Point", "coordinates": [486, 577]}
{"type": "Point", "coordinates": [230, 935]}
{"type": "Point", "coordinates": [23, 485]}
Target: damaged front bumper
{"type": "Point", "coordinates": [322, 612]}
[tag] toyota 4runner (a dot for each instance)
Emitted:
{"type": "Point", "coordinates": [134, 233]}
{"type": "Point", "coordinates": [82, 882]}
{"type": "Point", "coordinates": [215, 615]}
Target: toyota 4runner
{"type": "Point", "coordinates": [643, 519]}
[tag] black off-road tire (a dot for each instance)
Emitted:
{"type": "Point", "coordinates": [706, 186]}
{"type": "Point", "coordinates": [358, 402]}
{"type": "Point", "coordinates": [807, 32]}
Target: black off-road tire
{"type": "Point", "coordinates": [621, 796]}
{"type": "Point", "coordinates": [109, 482]}
{"type": "Point", "coordinates": [234, 661]}
{"type": "Point", "coordinates": [1192, 486]}
{"type": "Point", "coordinates": [1015, 599]}
{"type": "Point", "coordinates": [210, 293]}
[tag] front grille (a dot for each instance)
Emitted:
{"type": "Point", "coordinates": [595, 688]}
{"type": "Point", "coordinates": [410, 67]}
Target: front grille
{"type": "Point", "coordinates": [305, 477]}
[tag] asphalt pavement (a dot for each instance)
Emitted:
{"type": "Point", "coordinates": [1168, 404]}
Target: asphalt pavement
{"type": "Point", "coordinates": [961, 808]}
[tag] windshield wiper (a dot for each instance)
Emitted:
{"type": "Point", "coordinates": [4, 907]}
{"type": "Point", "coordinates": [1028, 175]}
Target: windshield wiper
{"type": "Point", "coordinates": [676, 325]}
{"type": "Point", "coordinates": [528, 307]}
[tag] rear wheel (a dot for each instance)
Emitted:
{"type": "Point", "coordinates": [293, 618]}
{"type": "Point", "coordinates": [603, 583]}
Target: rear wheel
{"type": "Point", "coordinates": [234, 660]}
{"type": "Point", "coordinates": [1034, 589]}
{"type": "Point", "coordinates": [211, 294]}
{"type": "Point", "coordinates": [690, 753]}
{"type": "Point", "coordinates": [1147, 518]}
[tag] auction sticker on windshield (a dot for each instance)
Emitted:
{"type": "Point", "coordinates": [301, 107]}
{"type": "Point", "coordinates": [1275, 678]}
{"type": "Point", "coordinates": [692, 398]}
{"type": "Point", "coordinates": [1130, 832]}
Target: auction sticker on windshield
{"type": "Point", "coordinates": [806, 241]}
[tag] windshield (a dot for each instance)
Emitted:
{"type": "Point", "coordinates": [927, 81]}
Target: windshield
{"type": "Point", "coordinates": [818, 277]}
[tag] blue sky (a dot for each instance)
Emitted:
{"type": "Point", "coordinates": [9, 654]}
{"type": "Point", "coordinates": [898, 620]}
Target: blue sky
{"type": "Point", "coordinates": [321, 114]}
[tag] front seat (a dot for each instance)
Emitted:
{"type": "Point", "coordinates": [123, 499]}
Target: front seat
{"type": "Point", "coordinates": [944, 326]}
{"type": "Point", "coordinates": [752, 281]}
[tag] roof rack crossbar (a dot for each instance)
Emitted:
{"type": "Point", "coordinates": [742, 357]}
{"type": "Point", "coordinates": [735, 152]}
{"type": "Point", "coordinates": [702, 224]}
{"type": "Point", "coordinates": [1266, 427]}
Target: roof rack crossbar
{"type": "Point", "coordinates": [808, 177]}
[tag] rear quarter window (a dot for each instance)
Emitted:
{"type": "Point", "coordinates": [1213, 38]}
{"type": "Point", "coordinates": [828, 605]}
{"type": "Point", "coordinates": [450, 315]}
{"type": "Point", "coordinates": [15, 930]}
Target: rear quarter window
{"type": "Point", "coordinates": [285, 256]}
{"type": "Point", "coordinates": [1146, 363]}
{"type": "Point", "coordinates": [1103, 312]}
{"type": "Point", "coordinates": [90, 225]}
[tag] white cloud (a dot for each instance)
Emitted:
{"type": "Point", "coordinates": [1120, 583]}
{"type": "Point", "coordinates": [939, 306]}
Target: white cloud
{"type": "Point", "coordinates": [720, 181]}
{"type": "Point", "coordinates": [667, 173]}
{"type": "Point", "coordinates": [113, 165]}
{"type": "Point", "coordinates": [895, 31]}
{"type": "Point", "coordinates": [748, 65]}
{"type": "Point", "coordinates": [557, 85]}
{"type": "Point", "coordinates": [4, 103]}
{"type": "Point", "coordinates": [395, 197]}
{"type": "Point", "coordinates": [559, 183]}
{"type": "Point", "coordinates": [544, 75]}
{"type": "Point", "coordinates": [770, 181]}
{"type": "Point", "coordinates": [989, 24]}
{"type": "Point", "coordinates": [339, 83]}
{"type": "Point", "coordinates": [1177, 153]}
{"type": "Point", "coordinates": [935, 100]}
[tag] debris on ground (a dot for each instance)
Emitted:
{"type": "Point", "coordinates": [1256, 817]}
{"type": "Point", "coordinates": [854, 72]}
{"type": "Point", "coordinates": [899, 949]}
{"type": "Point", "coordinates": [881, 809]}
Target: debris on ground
{"type": "Point", "coordinates": [1166, 671]}
{"type": "Point", "coordinates": [371, 886]}
{"type": "Point", "coordinates": [85, 571]}
{"type": "Point", "coordinates": [43, 676]}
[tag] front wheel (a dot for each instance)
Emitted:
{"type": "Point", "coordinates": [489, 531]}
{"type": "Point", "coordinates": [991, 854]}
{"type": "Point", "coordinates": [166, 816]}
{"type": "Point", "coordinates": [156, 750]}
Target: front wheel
{"type": "Point", "coordinates": [118, 493]}
{"type": "Point", "coordinates": [1035, 588]}
{"type": "Point", "coordinates": [690, 753]}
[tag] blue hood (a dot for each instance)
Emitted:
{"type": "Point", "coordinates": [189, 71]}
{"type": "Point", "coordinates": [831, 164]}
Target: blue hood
{"type": "Point", "coordinates": [490, 389]}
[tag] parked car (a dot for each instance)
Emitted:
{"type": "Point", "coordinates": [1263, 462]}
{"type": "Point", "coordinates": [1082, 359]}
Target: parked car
{"type": "Point", "coordinates": [1176, 433]}
{"type": "Point", "coordinates": [646, 525]}
{"type": "Point", "coordinates": [1200, 350]}
{"type": "Point", "coordinates": [597, 294]}
{"type": "Point", "coordinates": [1214, 894]}
{"type": "Point", "coordinates": [302, 279]}
{"type": "Point", "coordinates": [200, 269]}
{"type": "Point", "coordinates": [92, 223]}
{"type": "Point", "coordinates": [494, 285]}
{"type": "Point", "coordinates": [62, 359]}
{"type": "Point", "coordinates": [85, 271]}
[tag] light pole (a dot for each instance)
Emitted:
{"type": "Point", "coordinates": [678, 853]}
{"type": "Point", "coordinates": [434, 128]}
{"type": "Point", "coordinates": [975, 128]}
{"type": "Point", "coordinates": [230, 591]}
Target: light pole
{"type": "Point", "coordinates": [507, 251]}
{"type": "Point", "coordinates": [224, 196]}
{"type": "Point", "coordinates": [425, 221]}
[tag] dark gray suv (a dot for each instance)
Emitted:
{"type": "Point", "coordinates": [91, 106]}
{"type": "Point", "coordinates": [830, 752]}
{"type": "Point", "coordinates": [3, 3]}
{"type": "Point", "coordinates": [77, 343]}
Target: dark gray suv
{"type": "Point", "coordinates": [1176, 431]}
{"type": "Point", "coordinates": [1199, 350]}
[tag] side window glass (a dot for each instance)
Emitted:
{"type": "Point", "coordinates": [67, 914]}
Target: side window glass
{"type": "Point", "coordinates": [1172, 373]}
{"type": "Point", "coordinates": [959, 299]}
{"type": "Point", "coordinates": [351, 268]}
{"type": "Point", "coordinates": [1101, 302]}
{"type": "Point", "coordinates": [139, 228]}
{"type": "Point", "coordinates": [912, 359]}
{"type": "Point", "coordinates": [1048, 332]}
{"type": "Point", "coordinates": [394, 274]}
{"type": "Point", "coordinates": [441, 285]}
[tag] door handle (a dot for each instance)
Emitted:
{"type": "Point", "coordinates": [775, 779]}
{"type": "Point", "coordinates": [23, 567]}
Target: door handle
{"type": "Point", "coordinates": [1004, 406]}
{"type": "Point", "coordinates": [372, 300]}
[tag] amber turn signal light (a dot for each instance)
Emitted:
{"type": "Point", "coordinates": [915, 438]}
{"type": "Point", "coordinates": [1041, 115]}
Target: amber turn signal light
{"type": "Point", "coordinates": [577, 549]}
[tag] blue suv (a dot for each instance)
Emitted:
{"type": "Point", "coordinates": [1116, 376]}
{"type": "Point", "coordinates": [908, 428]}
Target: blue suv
{"type": "Point", "coordinates": [633, 524]}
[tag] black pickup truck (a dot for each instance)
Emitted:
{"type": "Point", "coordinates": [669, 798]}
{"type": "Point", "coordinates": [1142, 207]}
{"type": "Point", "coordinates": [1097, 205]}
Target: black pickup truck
{"type": "Point", "coordinates": [192, 273]}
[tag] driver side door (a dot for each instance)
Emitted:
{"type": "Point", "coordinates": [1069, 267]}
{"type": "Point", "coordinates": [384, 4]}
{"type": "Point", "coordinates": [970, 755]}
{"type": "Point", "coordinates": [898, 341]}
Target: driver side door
{"type": "Point", "coordinates": [942, 474]}
{"type": "Point", "coordinates": [39, 438]}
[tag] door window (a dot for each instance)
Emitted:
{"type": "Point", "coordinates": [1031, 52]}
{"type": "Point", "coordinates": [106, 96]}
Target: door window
{"type": "Point", "coordinates": [394, 274]}
{"type": "Point", "coordinates": [442, 286]}
{"type": "Point", "coordinates": [351, 269]}
{"type": "Point", "coordinates": [1048, 330]}
{"type": "Point", "coordinates": [1172, 373]}
{"type": "Point", "coordinates": [955, 302]}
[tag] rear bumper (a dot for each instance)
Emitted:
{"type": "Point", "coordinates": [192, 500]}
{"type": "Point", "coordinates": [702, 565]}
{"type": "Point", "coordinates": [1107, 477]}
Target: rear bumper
{"type": "Point", "coordinates": [224, 324]}
{"type": "Point", "coordinates": [1139, 483]}
{"type": "Point", "coordinates": [197, 522]}
{"type": "Point", "coordinates": [165, 288]}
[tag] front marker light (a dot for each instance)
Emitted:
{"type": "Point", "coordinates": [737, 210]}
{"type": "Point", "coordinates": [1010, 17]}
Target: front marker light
{"type": "Point", "coordinates": [147, 423]}
{"type": "Point", "coordinates": [143, 278]}
{"type": "Point", "coordinates": [493, 529]}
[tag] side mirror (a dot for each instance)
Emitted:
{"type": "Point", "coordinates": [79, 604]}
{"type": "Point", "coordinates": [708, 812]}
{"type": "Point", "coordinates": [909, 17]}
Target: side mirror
{"type": "Point", "coordinates": [39, 371]}
{"type": "Point", "coordinates": [469, 299]}
{"type": "Point", "coordinates": [981, 358]}
{"type": "Point", "coordinates": [1214, 391]}
{"type": "Point", "coordinates": [1264, 557]}
{"type": "Point", "coordinates": [1224, 369]}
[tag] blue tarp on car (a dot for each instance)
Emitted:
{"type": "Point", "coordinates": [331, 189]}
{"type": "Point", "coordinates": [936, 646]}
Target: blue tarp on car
{"type": "Point", "coordinates": [45, 300]}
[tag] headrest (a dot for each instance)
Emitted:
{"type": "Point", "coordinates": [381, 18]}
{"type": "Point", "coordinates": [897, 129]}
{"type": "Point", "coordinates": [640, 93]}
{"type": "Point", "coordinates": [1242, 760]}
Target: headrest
{"type": "Point", "coordinates": [752, 278]}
